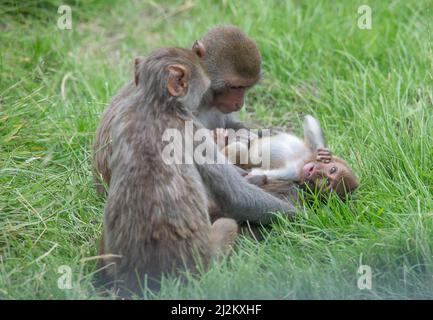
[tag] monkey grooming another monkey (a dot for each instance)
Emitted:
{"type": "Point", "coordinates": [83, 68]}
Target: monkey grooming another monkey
{"type": "Point", "coordinates": [233, 65]}
{"type": "Point", "coordinates": [156, 218]}
{"type": "Point", "coordinates": [233, 62]}
{"type": "Point", "coordinates": [305, 162]}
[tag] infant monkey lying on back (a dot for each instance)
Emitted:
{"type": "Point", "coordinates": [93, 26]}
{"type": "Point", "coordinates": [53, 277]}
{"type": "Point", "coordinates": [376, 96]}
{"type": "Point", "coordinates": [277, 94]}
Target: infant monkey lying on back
{"type": "Point", "coordinates": [292, 162]}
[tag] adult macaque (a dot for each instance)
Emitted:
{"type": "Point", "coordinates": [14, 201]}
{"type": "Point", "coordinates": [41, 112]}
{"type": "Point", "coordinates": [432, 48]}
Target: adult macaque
{"type": "Point", "coordinates": [233, 64]}
{"type": "Point", "coordinates": [306, 162]}
{"type": "Point", "coordinates": [156, 214]}
{"type": "Point", "coordinates": [156, 217]}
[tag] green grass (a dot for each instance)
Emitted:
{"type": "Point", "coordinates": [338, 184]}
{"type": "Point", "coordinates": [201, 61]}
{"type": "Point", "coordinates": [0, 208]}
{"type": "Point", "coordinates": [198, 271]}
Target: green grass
{"type": "Point", "coordinates": [371, 90]}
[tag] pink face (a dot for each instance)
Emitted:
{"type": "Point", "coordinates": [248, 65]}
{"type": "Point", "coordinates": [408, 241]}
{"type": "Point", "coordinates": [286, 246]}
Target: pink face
{"type": "Point", "coordinates": [231, 100]}
{"type": "Point", "coordinates": [319, 174]}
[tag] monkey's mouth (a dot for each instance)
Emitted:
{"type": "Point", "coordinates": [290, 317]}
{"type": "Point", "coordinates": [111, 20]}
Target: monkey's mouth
{"type": "Point", "coordinates": [309, 170]}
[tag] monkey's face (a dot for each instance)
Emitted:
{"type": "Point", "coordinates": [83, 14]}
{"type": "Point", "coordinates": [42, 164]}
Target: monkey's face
{"type": "Point", "coordinates": [229, 93]}
{"type": "Point", "coordinates": [233, 63]}
{"type": "Point", "coordinates": [324, 177]}
{"type": "Point", "coordinates": [229, 99]}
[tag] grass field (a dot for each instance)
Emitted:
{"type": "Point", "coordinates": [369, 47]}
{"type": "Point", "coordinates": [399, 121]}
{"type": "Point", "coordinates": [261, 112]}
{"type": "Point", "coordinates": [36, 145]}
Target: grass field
{"type": "Point", "coordinates": [372, 90]}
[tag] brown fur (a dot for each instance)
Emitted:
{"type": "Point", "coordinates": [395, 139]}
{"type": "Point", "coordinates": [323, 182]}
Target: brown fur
{"type": "Point", "coordinates": [156, 218]}
{"type": "Point", "coordinates": [231, 57]}
{"type": "Point", "coordinates": [102, 147]}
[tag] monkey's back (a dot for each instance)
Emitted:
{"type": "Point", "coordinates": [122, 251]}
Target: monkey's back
{"type": "Point", "coordinates": [102, 148]}
{"type": "Point", "coordinates": [156, 214]}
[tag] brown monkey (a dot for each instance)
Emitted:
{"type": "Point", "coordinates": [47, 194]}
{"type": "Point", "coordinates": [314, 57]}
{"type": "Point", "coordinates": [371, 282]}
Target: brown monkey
{"type": "Point", "coordinates": [156, 215]}
{"type": "Point", "coordinates": [233, 64]}
{"type": "Point", "coordinates": [306, 162]}
{"type": "Point", "coordinates": [293, 164]}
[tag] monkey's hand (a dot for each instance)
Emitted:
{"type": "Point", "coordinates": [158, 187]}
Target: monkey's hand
{"type": "Point", "coordinates": [323, 155]}
{"type": "Point", "coordinates": [257, 180]}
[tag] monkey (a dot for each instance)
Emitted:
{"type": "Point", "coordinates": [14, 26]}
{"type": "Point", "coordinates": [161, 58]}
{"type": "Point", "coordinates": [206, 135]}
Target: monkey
{"type": "Point", "coordinates": [293, 165]}
{"type": "Point", "coordinates": [233, 64]}
{"type": "Point", "coordinates": [156, 217]}
{"type": "Point", "coordinates": [306, 162]}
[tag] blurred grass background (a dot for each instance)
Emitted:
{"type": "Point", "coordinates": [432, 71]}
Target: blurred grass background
{"type": "Point", "coordinates": [371, 90]}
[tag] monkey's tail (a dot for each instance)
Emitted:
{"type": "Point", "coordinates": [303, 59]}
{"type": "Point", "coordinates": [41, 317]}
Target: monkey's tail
{"type": "Point", "coordinates": [313, 133]}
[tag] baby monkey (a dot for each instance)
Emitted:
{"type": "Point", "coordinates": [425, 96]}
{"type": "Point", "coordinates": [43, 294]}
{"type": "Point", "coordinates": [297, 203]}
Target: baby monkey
{"type": "Point", "coordinates": [307, 163]}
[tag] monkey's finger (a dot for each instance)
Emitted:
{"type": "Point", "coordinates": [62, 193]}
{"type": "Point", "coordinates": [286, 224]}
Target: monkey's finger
{"type": "Point", "coordinates": [324, 159]}
{"type": "Point", "coordinates": [325, 156]}
{"type": "Point", "coordinates": [324, 152]}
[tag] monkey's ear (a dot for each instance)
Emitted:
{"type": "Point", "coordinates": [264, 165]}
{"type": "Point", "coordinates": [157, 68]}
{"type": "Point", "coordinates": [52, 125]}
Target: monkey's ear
{"type": "Point", "coordinates": [136, 63]}
{"type": "Point", "coordinates": [177, 83]}
{"type": "Point", "coordinates": [199, 49]}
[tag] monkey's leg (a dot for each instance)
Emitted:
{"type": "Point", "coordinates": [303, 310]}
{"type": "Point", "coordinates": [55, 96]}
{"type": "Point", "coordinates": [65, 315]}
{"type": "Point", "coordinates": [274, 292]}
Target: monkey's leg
{"type": "Point", "coordinates": [222, 236]}
{"type": "Point", "coordinates": [313, 133]}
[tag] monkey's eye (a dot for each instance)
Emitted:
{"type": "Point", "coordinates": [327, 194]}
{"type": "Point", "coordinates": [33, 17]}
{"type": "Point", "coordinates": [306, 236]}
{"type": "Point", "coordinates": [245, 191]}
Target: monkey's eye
{"type": "Point", "coordinates": [236, 87]}
{"type": "Point", "coordinates": [333, 170]}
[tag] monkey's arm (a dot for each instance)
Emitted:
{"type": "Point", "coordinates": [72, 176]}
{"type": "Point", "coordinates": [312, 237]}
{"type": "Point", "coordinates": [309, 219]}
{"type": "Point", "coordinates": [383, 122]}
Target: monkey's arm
{"type": "Point", "coordinates": [289, 172]}
{"type": "Point", "coordinates": [237, 198]}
